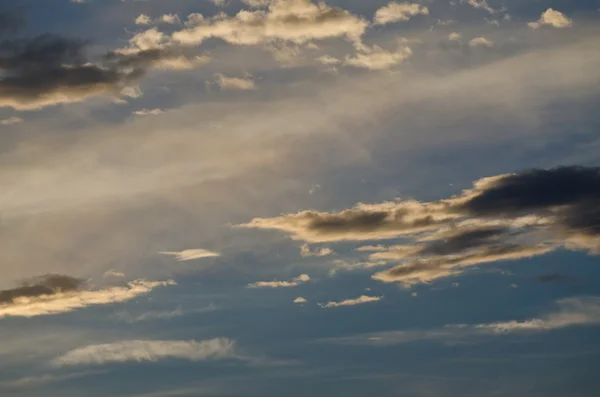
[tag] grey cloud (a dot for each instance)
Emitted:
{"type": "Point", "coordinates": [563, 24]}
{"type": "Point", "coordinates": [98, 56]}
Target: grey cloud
{"type": "Point", "coordinates": [44, 285]}
{"type": "Point", "coordinates": [49, 69]}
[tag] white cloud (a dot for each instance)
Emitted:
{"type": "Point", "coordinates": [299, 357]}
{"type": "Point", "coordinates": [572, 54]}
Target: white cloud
{"type": "Point", "coordinates": [328, 60]}
{"type": "Point", "coordinates": [306, 251]}
{"type": "Point", "coordinates": [296, 281]}
{"type": "Point", "coordinates": [552, 18]}
{"type": "Point", "coordinates": [191, 254]}
{"type": "Point", "coordinates": [482, 4]}
{"type": "Point", "coordinates": [11, 121]}
{"type": "Point", "coordinates": [395, 12]}
{"type": "Point", "coordinates": [454, 36]}
{"type": "Point", "coordinates": [377, 58]}
{"type": "Point", "coordinates": [143, 19]}
{"type": "Point", "coordinates": [63, 302]}
{"type": "Point", "coordinates": [148, 112]}
{"type": "Point", "coordinates": [257, 3]}
{"type": "Point", "coordinates": [148, 350]}
{"type": "Point", "coordinates": [300, 300]}
{"type": "Point", "coordinates": [113, 274]}
{"type": "Point", "coordinates": [172, 19]}
{"type": "Point", "coordinates": [235, 83]}
{"type": "Point", "coordinates": [298, 21]}
{"type": "Point", "coordinates": [353, 302]}
{"type": "Point", "coordinates": [480, 42]}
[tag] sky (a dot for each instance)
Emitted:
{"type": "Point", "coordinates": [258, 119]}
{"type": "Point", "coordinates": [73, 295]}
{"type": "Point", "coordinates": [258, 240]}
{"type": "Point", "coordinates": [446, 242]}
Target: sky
{"type": "Point", "coordinates": [261, 198]}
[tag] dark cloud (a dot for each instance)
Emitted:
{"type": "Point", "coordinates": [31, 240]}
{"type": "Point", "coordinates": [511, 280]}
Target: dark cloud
{"type": "Point", "coordinates": [536, 190]}
{"type": "Point", "coordinates": [11, 22]}
{"type": "Point", "coordinates": [49, 69]}
{"type": "Point", "coordinates": [49, 284]}
{"type": "Point", "coordinates": [504, 217]}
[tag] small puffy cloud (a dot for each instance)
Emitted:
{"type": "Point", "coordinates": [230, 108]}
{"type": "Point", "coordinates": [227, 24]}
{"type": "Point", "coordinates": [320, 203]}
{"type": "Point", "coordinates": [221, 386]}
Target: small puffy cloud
{"type": "Point", "coordinates": [454, 36]}
{"type": "Point", "coordinates": [11, 121]}
{"type": "Point", "coordinates": [235, 83]}
{"type": "Point", "coordinates": [553, 18]}
{"type": "Point", "coordinates": [377, 58]}
{"type": "Point", "coordinates": [480, 42]}
{"type": "Point", "coordinates": [54, 294]}
{"type": "Point", "coordinates": [170, 19]}
{"type": "Point", "coordinates": [306, 251]}
{"type": "Point", "coordinates": [300, 300]}
{"type": "Point", "coordinates": [296, 281]}
{"type": "Point", "coordinates": [353, 302]}
{"type": "Point", "coordinates": [149, 351]}
{"type": "Point", "coordinates": [395, 12]}
{"type": "Point", "coordinates": [148, 112]}
{"type": "Point", "coordinates": [143, 19]}
{"type": "Point", "coordinates": [328, 60]}
{"type": "Point", "coordinates": [191, 254]}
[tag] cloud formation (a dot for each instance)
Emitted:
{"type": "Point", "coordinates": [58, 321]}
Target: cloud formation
{"type": "Point", "coordinates": [480, 42]}
{"type": "Point", "coordinates": [396, 12]}
{"type": "Point", "coordinates": [191, 254]}
{"type": "Point", "coordinates": [307, 252]}
{"type": "Point", "coordinates": [297, 21]}
{"type": "Point", "coordinates": [353, 302]}
{"type": "Point", "coordinates": [296, 281]}
{"type": "Point", "coordinates": [54, 294]}
{"type": "Point", "coordinates": [11, 121]}
{"type": "Point", "coordinates": [505, 217]}
{"type": "Point", "coordinates": [553, 18]}
{"type": "Point", "coordinates": [377, 58]}
{"type": "Point", "coordinates": [235, 83]}
{"type": "Point", "coordinates": [148, 350]}
{"type": "Point", "coordinates": [571, 312]}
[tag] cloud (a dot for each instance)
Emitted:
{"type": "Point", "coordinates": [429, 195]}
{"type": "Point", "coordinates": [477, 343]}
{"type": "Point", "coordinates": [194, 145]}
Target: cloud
{"type": "Point", "coordinates": [353, 302]}
{"type": "Point", "coordinates": [300, 300]}
{"type": "Point", "coordinates": [235, 83]}
{"type": "Point", "coordinates": [148, 351]}
{"type": "Point", "coordinates": [553, 18]}
{"type": "Point", "coordinates": [297, 21]}
{"type": "Point", "coordinates": [257, 3]}
{"type": "Point", "coordinates": [328, 60]}
{"type": "Point", "coordinates": [148, 112]}
{"type": "Point", "coordinates": [113, 274]}
{"type": "Point", "coordinates": [483, 5]}
{"type": "Point", "coordinates": [143, 19]}
{"type": "Point", "coordinates": [377, 58]}
{"type": "Point", "coordinates": [571, 312]}
{"type": "Point", "coordinates": [480, 42]}
{"type": "Point", "coordinates": [191, 254]}
{"type": "Point", "coordinates": [395, 12]}
{"type": "Point", "coordinates": [454, 36]}
{"type": "Point", "coordinates": [296, 281]}
{"type": "Point", "coordinates": [54, 294]}
{"type": "Point", "coordinates": [47, 70]}
{"type": "Point", "coordinates": [11, 121]}
{"type": "Point", "coordinates": [504, 217]}
{"type": "Point", "coordinates": [306, 251]}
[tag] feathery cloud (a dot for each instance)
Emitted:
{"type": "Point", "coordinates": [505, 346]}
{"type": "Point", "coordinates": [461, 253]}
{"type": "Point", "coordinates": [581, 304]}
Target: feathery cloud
{"type": "Point", "coordinates": [353, 302]}
{"type": "Point", "coordinates": [191, 254]}
{"type": "Point", "coordinates": [296, 281]}
{"type": "Point", "coordinates": [148, 350]}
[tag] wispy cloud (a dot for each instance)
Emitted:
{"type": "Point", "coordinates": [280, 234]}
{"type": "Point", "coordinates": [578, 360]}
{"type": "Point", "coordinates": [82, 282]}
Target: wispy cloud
{"type": "Point", "coordinates": [148, 112]}
{"type": "Point", "coordinates": [148, 350]}
{"type": "Point", "coordinates": [396, 12]}
{"type": "Point", "coordinates": [191, 254]}
{"type": "Point", "coordinates": [307, 252]}
{"type": "Point", "coordinates": [296, 281]}
{"type": "Point", "coordinates": [11, 121]}
{"type": "Point", "coordinates": [352, 302]}
{"type": "Point", "coordinates": [571, 312]}
{"type": "Point", "coordinates": [45, 298]}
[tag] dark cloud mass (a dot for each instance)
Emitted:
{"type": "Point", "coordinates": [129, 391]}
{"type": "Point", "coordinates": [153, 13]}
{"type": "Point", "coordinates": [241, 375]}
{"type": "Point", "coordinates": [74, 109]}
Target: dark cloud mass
{"type": "Point", "coordinates": [49, 284]}
{"type": "Point", "coordinates": [50, 69]}
{"type": "Point", "coordinates": [505, 217]}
